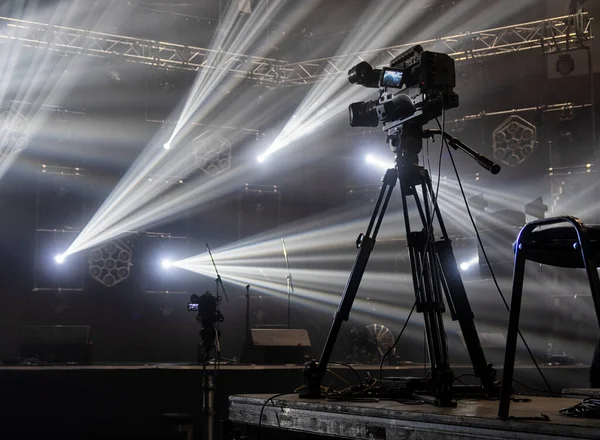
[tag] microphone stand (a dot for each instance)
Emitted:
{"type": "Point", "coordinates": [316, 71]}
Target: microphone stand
{"type": "Point", "coordinates": [209, 378]}
{"type": "Point", "coordinates": [219, 282]}
{"type": "Point", "coordinates": [290, 284]}
{"type": "Point", "coordinates": [247, 312]}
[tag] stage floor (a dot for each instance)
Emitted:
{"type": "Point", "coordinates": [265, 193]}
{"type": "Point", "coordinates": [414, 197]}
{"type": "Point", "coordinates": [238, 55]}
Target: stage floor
{"type": "Point", "coordinates": [391, 420]}
{"type": "Point", "coordinates": [126, 400]}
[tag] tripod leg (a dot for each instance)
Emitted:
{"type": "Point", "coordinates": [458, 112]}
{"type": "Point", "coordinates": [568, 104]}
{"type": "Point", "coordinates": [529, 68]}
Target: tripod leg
{"type": "Point", "coordinates": [458, 302]}
{"type": "Point", "coordinates": [365, 243]}
{"type": "Point", "coordinates": [428, 288]}
{"type": "Point", "coordinates": [461, 311]}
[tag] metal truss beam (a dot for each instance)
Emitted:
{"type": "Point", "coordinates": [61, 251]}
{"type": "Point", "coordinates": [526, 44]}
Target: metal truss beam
{"type": "Point", "coordinates": [550, 34]}
{"type": "Point", "coordinates": [71, 41]}
{"type": "Point", "coordinates": [563, 107]}
{"type": "Point", "coordinates": [229, 128]}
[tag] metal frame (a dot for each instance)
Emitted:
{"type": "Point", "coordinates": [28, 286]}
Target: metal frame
{"type": "Point", "coordinates": [553, 32]}
{"type": "Point", "coordinates": [521, 256]}
{"type": "Point", "coordinates": [72, 41]}
{"type": "Point", "coordinates": [548, 33]}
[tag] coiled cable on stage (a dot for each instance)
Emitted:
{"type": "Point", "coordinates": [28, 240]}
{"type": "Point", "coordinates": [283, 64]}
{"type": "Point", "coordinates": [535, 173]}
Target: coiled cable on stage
{"type": "Point", "coordinates": [588, 408]}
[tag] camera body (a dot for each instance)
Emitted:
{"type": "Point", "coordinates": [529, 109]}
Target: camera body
{"type": "Point", "coordinates": [207, 306]}
{"type": "Point", "coordinates": [417, 86]}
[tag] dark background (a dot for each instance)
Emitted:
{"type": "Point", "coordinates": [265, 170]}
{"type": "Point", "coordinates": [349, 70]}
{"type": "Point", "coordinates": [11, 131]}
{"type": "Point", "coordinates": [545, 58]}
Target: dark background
{"type": "Point", "coordinates": [130, 324]}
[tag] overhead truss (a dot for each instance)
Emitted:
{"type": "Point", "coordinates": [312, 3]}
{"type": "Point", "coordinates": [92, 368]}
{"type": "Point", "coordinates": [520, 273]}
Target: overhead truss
{"type": "Point", "coordinates": [73, 41]}
{"type": "Point", "coordinates": [550, 34]}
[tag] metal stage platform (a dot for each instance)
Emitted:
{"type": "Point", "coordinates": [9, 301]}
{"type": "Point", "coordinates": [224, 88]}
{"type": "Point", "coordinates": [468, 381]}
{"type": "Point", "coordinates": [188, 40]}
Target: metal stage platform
{"type": "Point", "coordinates": [390, 420]}
{"type": "Point", "coordinates": [126, 400]}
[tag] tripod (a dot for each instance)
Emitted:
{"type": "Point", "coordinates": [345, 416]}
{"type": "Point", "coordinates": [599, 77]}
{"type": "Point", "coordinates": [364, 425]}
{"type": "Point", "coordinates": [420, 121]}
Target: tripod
{"type": "Point", "coordinates": [434, 271]}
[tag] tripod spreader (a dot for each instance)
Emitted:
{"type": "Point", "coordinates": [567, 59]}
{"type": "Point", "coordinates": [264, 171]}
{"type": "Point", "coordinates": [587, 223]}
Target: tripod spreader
{"type": "Point", "coordinates": [457, 144]}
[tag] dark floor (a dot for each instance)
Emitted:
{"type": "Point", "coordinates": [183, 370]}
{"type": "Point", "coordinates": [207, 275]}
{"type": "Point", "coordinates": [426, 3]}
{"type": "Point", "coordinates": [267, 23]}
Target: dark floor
{"type": "Point", "coordinates": [127, 401]}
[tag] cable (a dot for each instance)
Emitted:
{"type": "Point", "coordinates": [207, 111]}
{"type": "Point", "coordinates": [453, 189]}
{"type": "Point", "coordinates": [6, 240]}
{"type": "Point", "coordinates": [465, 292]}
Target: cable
{"type": "Point", "coordinates": [487, 261]}
{"type": "Point", "coordinates": [335, 375]}
{"type": "Point", "coordinates": [529, 388]}
{"type": "Point", "coordinates": [457, 378]}
{"type": "Point", "coordinates": [270, 399]}
{"type": "Point", "coordinates": [444, 142]}
{"type": "Point", "coordinates": [589, 407]}
{"type": "Point", "coordinates": [396, 341]}
{"type": "Point", "coordinates": [351, 368]}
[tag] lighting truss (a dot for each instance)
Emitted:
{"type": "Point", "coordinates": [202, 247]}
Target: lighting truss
{"type": "Point", "coordinates": [72, 41]}
{"type": "Point", "coordinates": [244, 130]}
{"type": "Point", "coordinates": [563, 107]}
{"type": "Point", "coordinates": [548, 33]}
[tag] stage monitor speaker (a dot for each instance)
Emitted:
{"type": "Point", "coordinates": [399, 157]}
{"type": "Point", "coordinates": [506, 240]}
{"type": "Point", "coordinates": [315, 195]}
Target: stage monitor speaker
{"type": "Point", "coordinates": [56, 344]}
{"type": "Point", "coordinates": [276, 346]}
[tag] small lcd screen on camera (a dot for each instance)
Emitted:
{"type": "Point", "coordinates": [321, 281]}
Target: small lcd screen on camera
{"type": "Point", "coordinates": [391, 78]}
{"type": "Point", "coordinates": [192, 307]}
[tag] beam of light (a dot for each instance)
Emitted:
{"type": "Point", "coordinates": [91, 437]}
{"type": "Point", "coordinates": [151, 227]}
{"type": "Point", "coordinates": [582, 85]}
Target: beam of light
{"type": "Point", "coordinates": [378, 163]}
{"type": "Point", "coordinates": [327, 100]}
{"type": "Point", "coordinates": [131, 202]}
{"type": "Point", "coordinates": [310, 289]}
{"type": "Point", "coordinates": [166, 263]}
{"type": "Point", "coordinates": [465, 265]}
{"type": "Point", "coordinates": [59, 259]}
{"type": "Point", "coordinates": [179, 200]}
{"type": "Point", "coordinates": [233, 38]}
{"type": "Point", "coordinates": [46, 79]}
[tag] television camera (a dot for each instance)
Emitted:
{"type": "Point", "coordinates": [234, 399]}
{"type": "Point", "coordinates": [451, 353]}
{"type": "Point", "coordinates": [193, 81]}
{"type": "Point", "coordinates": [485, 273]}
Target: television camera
{"type": "Point", "coordinates": [207, 306]}
{"type": "Point", "coordinates": [416, 87]}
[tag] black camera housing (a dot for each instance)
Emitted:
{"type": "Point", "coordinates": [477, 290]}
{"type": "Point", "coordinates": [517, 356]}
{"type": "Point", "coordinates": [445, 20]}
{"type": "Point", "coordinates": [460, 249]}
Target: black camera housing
{"type": "Point", "coordinates": [417, 85]}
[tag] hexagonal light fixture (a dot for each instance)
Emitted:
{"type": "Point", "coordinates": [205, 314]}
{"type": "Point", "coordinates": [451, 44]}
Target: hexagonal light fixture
{"type": "Point", "coordinates": [110, 263]}
{"type": "Point", "coordinates": [213, 153]}
{"type": "Point", "coordinates": [515, 140]}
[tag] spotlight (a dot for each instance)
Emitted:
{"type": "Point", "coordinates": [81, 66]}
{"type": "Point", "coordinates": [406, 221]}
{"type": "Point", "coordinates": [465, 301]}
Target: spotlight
{"type": "Point", "coordinates": [465, 265]}
{"type": "Point", "coordinates": [59, 259]}
{"type": "Point", "coordinates": [565, 64]}
{"type": "Point", "coordinates": [166, 263]}
{"type": "Point", "coordinates": [110, 263]}
{"type": "Point", "coordinates": [514, 140]}
{"type": "Point", "coordinates": [261, 158]}
{"type": "Point", "coordinates": [167, 145]}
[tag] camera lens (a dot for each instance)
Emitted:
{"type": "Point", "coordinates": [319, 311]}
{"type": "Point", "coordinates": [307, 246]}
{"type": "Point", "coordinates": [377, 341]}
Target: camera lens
{"type": "Point", "coordinates": [363, 114]}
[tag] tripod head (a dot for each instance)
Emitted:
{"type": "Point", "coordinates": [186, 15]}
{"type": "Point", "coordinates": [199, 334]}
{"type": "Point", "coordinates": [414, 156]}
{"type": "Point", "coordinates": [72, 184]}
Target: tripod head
{"type": "Point", "coordinates": [406, 142]}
